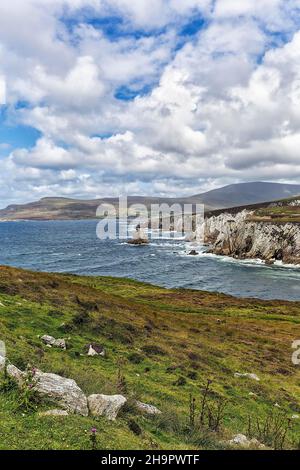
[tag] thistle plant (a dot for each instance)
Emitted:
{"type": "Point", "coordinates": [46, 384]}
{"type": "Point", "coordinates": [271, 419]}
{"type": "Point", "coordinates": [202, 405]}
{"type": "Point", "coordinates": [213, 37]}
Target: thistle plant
{"type": "Point", "coordinates": [93, 438]}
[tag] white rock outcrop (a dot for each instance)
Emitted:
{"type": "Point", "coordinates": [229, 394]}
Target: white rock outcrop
{"type": "Point", "coordinates": [106, 405]}
{"type": "Point", "coordinates": [239, 236]}
{"type": "Point", "coordinates": [64, 392]}
{"type": "Point", "coordinates": [54, 388]}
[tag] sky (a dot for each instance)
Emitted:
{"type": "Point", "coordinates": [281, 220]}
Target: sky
{"type": "Point", "coordinates": [158, 97]}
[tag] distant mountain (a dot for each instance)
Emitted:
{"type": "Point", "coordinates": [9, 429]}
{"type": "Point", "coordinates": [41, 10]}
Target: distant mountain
{"type": "Point", "coordinates": [234, 195]}
{"type": "Point", "coordinates": [244, 194]}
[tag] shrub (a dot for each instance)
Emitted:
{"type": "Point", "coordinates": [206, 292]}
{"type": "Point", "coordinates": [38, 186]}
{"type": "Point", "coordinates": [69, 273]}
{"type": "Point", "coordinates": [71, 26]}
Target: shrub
{"type": "Point", "coordinates": [134, 427]}
{"type": "Point", "coordinates": [153, 350]}
{"type": "Point", "coordinates": [135, 358]}
{"type": "Point", "coordinates": [180, 382]}
{"type": "Point", "coordinates": [271, 430]}
{"type": "Point", "coordinates": [81, 318]}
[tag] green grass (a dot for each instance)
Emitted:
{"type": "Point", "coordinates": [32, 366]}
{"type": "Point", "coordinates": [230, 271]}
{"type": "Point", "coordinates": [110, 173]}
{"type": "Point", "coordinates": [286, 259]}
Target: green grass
{"type": "Point", "coordinates": [281, 212]}
{"type": "Point", "coordinates": [198, 334]}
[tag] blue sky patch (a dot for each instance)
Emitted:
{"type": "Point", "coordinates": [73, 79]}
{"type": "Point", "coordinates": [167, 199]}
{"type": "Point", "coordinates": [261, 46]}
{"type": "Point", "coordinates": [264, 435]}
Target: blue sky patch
{"type": "Point", "coordinates": [12, 137]}
{"type": "Point", "coordinates": [193, 26]}
{"type": "Point", "coordinates": [113, 27]}
{"type": "Point", "coordinates": [127, 93]}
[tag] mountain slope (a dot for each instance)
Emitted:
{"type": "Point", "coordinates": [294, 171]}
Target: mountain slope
{"type": "Point", "coordinates": [248, 193]}
{"type": "Point", "coordinates": [228, 196]}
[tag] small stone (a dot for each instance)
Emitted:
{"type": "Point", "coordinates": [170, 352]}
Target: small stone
{"type": "Point", "coordinates": [147, 409]}
{"type": "Point", "coordinates": [295, 417]}
{"type": "Point", "coordinates": [57, 343]}
{"type": "Point", "coordinates": [240, 440]}
{"type": "Point", "coordinates": [94, 349]}
{"type": "Point", "coordinates": [247, 375]}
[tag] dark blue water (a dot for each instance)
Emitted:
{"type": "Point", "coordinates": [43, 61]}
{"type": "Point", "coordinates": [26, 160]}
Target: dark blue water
{"type": "Point", "coordinates": [72, 246]}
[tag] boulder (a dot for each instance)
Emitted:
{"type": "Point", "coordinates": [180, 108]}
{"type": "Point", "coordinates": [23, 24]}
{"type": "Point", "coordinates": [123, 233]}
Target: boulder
{"type": "Point", "coordinates": [57, 343]}
{"type": "Point", "coordinates": [147, 409]}
{"type": "Point", "coordinates": [54, 413]}
{"type": "Point", "coordinates": [106, 405]}
{"type": "Point", "coordinates": [64, 392]}
{"type": "Point", "coordinates": [51, 387]}
{"type": "Point", "coordinates": [248, 376]}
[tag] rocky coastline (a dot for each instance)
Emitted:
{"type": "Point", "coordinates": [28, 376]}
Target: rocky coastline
{"type": "Point", "coordinates": [241, 236]}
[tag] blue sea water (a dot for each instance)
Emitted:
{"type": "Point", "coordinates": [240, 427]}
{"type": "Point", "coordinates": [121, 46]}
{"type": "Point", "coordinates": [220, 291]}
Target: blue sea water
{"type": "Point", "coordinates": [73, 247]}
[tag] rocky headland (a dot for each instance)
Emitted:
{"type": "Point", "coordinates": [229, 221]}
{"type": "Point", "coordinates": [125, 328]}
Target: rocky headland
{"type": "Point", "coordinates": [271, 235]}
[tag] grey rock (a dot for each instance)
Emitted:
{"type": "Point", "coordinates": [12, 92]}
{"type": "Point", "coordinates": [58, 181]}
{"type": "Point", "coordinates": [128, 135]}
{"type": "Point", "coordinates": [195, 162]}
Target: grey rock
{"type": "Point", "coordinates": [240, 440]}
{"type": "Point", "coordinates": [51, 387]}
{"type": "Point", "coordinates": [64, 392]}
{"type": "Point", "coordinates": [106, 405]}
{"type": "Point", "coordinates": [95, 349]}
{"type": "Point", "coordinates": [242, 237]}
{"type": "Point", "coordinates": [2, 355]}
{"type": "Point", "coordinates": [16, 374]}
{"type": "Point", "coordinates": [147, 409]}
{"type": "Point", "coordinates": [57, 343]}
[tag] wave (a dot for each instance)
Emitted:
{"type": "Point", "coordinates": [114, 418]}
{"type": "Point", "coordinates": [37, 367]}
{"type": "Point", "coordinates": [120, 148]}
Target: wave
{"type": "Point", "coordinates": [257, 262]}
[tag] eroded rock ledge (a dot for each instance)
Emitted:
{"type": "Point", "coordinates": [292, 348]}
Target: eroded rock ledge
{"type": "Point", "coordinates": [238, 235]}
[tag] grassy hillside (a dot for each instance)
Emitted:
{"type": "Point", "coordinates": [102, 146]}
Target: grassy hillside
{"type": "Point", "coordinates": [287, 210]}
{"type": "Point", "coordinates": [164, 344]}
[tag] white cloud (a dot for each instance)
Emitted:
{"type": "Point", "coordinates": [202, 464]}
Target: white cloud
{"type": "Point", "coordinates": [223, 108]}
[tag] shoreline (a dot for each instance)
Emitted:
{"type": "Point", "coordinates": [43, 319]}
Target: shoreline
{"type": "Point", "coordinates": [139, 283]}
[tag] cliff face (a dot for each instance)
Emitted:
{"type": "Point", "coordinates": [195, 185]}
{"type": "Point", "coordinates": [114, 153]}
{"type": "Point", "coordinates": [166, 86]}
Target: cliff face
{"type": "Point", "coordinates": [239, 236]}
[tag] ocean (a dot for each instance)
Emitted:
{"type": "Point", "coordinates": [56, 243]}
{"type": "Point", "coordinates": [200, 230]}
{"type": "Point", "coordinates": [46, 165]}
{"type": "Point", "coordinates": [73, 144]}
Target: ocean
{"type": "Point", "coordinates": [73, 247]}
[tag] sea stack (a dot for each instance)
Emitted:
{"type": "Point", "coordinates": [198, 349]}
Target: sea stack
{"type": "Point", "coordinates": [139, 237]}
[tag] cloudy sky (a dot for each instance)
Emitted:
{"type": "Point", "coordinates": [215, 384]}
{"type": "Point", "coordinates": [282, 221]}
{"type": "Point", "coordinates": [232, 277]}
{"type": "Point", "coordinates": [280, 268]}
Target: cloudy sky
{"type": "Point", "coordinates": [170, 97]}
